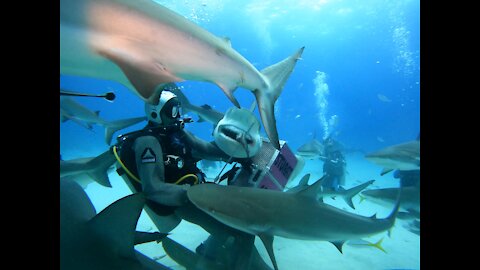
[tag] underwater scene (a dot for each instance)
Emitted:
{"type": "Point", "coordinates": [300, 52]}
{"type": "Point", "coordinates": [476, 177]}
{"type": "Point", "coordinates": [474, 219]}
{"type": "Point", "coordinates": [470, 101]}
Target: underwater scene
{"type": "Point", "coordinates": [239, 134]}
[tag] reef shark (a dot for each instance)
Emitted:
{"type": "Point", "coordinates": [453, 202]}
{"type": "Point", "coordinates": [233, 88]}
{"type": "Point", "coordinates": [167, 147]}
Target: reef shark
{"type": "Point", "coordinates": [311, 150]}
{"type": "Point", "coordinates": [193, 261]}
{"type": "Point", "coordinates": [142, 45]}
{"type": "Point", "coordinates": [105, 240]}
{"type": "Point", "coordinates": [409, 201]}
{"type": "Point", "coordinates": [404, 157]}
{"type": "Point", "coordinates": [86, 170]}
{"type": "Point", "coordinates": [72, 110]}
{"type": "Point", "coordinates": [268, 213]}
{"type": "Point", "coordinates": [345, 194]}
{"type": "Point", "coordinates": [204, 112]}
{"type": "Point", "coordinates": [237, 132]}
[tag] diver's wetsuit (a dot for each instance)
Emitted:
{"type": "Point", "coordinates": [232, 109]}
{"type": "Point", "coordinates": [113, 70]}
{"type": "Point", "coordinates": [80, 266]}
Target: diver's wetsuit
{"type": "Point", "coordinates": [161, 156]}
{"type": "Point", "coordinates": [334, 169]}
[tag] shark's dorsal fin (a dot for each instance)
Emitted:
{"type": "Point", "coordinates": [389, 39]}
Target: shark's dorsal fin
{"type": "Point", "coordinates": [313, 191]}
{"type": "Point", "coordinates": [97, 113]}
{"type": "Point", "coordinates": [374, 216]}
{"type": "Point", "coordinates": [350, 193]}
{"type": "Point", "coordinates": [268, 243]}
{"type": "Point", "coordinates": [304, 180]}
{"type": "Point", "coordinates": [338, 245]}
{"type": "Point", "coordinates": [206, 107]}
{"type": "Point", "coordinates": [228, 41]}
{"type": "Point", "coordinates": [116, 224]}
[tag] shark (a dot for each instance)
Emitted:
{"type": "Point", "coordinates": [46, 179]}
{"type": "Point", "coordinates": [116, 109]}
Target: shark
{"type": "Point", "coordinates": [192, 261]}
{"type": "Point", "coordinates": [409, 201]}
{"type": "Point", "coordinates": [205, 112]}
{"type": "Point", "coordinates": [311, 150]}
{"type": "Point", "coordinates": [238, 133]}
{"type": "Point", "coordinates": [345, 194]}
{"type": "Point", "coordinates": [105, 240]}
{"type": "Point", "coordinates": [87, 170]}
{"type": "Point", "coordinates": [143, 44]}
{"type": "Point", "coordinates": [404, 156]}
{"type": "Point", "coordinates": [268, 213]}
{"type": "Point", "coordinates": [72, 110]}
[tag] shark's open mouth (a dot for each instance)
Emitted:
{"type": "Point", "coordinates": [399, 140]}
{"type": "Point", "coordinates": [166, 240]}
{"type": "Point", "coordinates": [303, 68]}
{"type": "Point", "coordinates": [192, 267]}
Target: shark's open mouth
{"type": "Point", "coordinates": [236, 134]}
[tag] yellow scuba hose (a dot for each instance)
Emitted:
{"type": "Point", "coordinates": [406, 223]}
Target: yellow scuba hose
{"type": "Point", "coordinates": [188, 175]}
{"type": "Point", "coordinates": [123, 165]}
{"type": "Point", "coordinates": [138, 180]}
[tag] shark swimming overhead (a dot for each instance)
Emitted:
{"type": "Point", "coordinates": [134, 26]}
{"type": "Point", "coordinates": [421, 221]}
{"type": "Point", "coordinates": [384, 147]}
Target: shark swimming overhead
{"type": "Point", "coordinates": [404, 156]}
{"type": "Point", "coordinates": [298, 215]}
{"type": "Point", "coordinates": [125, 41]}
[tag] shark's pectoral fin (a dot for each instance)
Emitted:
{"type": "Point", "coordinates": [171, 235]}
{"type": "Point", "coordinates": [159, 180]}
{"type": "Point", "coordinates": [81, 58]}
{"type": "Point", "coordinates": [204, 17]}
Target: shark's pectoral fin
{"type": "Point", "coordinates": [101, 178]}
{"type": "Point", "coordinates": [385, 171]}
{"type": "Point", "coordinates": [268, 243]}
{"type": "Point", "coordinates": [228, 90]}
{"type": "Point", "coordinates": [116, 224]}
{"type": "Point", "coordinates": [338, 245]}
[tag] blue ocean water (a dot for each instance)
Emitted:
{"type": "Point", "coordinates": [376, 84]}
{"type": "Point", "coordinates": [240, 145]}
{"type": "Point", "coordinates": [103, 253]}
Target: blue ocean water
{"type": "Point", "coordinates": [359, 77]}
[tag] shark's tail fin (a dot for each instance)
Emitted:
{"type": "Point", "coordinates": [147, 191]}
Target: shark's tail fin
{"type": "Point", "coordinates": [99, 168]}
{"type": "Point", "coordinates": [350, 193]}
{"type": "Point", "coordinates": [276, 76]}
{"type": "Point", "coordinates": [112, 127]}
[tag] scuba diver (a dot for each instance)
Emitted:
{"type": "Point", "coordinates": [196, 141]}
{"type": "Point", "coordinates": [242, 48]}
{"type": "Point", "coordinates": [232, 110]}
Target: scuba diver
{"type": "Point", "coordinates": [334, 164]}
{"type": "Point", "coordinates": [161, 161]}
{"type": "Point", "coordinates": [162, 157]}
